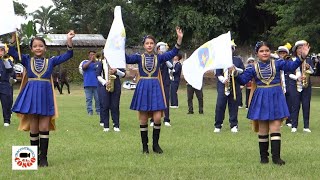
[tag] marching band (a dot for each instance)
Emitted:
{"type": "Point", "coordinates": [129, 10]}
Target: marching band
{"type": "Point", "coordinates": [284, 81]}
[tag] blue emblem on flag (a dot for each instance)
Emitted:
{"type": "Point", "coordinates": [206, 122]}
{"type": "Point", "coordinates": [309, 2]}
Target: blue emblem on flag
{"type": "Point", "coordinates": [203, 56]}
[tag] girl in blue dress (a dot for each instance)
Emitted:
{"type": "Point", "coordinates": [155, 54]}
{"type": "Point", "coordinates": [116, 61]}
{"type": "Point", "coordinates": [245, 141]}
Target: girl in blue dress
{"type": "Point", "coordinates": [268, 104]}
{"type": "Point", "coordinates": [149, 98]}
{"type": "Point", "coordinates": [35, 104]}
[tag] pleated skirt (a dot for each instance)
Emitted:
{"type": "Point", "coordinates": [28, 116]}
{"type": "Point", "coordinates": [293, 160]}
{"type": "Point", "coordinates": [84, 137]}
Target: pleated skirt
{"type": "Point", "coordinates": [35, 98]}
{"type": "Point", "coordinates": [268, 104]}
{"type": "Point", "coordinates": [148, 96]}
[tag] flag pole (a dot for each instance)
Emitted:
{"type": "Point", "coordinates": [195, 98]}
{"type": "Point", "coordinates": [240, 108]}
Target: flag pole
{"type": "Point", "coordinates": [233, 86]}
{"type": "Point", "coordinates": [18, 45]}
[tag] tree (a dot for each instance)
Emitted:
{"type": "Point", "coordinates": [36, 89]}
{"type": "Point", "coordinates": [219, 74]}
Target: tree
{"type": "Point", "coordinates": [43, 17]}
{"type": "Point", "coordinates": [295, 21]}
{"type": "Point", "coordinates": [19, 9]}
{"type": "Point", "coordinates": [27, 32]}
{"type": "Point", "coordinates": [254, 22]}
{"type": "Point", "coordinates": [90, 17]}
{"type": "Point", "coordinates": [200, 20]}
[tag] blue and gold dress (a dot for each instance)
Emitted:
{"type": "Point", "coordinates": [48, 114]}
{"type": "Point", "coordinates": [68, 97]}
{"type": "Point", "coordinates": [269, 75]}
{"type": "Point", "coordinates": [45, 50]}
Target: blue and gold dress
{"type": "Point", "coordinates": [268, 101]}
{"type": "Point", "coordinates": [37, 96]}
{"type": "Point", "coordinates": [149, 94]}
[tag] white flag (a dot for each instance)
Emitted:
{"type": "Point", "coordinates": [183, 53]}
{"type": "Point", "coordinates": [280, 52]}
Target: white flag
{"type": "Point", "coordinates": [214, 54]}
{"type": "Point", "coordinates": [114, 49]}
{"type": "Point", "coordinates": [8, 18]}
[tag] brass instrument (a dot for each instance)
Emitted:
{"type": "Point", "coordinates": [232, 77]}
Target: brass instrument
{"type": "Point", "coordinates": [109, 77]}
{"type": "Point", "coordinates": [233, 85]}
{"type": "Point", "coordinates": [287, 57]}
{"type": "Point", "coordinates": [5, 57]}
{"type": "Point", "coordinates": [226, 75]}
{"type": "Point", "coordinates": [229, 74]}
{"type": "Point", "coordinates": [305, 73]}
{"type": "Point", "coordinates": [98, 57]}
{"type": "Point", "coordinates": [171, 75]}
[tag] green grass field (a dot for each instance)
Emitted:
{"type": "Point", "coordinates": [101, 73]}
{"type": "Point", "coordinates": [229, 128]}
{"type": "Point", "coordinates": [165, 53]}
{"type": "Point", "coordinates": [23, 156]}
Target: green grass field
{"type": "Point", "coordinates": [79, 149]}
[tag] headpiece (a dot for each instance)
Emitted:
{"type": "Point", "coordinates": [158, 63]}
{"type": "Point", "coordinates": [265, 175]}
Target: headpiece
{"type": "Point", "coordinates": [283, 49]}
{"type": "Point", "coordinates": [163, 47]}
{"type": "Point", "coordinates": [258, 45]}
{"type": "Point", "coordinates": [3, 46]}
{"type": "Point", "coordinates": [297, 44]}
{"type": "Point", "coordinates": [250, 59]}
{"type": "Point", "coordinates": [148, 36]}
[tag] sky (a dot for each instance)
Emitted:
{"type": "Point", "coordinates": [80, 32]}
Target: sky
{"type": "Point", "coordinates": [33, 5]}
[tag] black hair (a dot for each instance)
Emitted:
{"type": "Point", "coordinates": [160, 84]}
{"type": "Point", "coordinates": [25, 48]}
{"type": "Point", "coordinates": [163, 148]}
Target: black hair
{"type": "Point", "coordinates": [260, 44]}
{"type": "Point", "coordinates": [149, 37]}
{"type": "Point", "coordinates": [179, 57]}
{"type": "Point", "coordinates": [37, 38]}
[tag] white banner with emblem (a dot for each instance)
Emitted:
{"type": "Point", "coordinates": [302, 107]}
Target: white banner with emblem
{"type": "Point", "coordinates": [8, 18]}
{"type": "Point", "coordinates": [114, 49]}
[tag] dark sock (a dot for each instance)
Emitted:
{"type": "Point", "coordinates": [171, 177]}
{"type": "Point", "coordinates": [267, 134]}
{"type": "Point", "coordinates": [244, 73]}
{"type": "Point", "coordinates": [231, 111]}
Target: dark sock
{"type": "Point", "coordinates": [263, 147]}
{"type": "Point", "coordinates": [44, 144]}
{"type": "Point", "coordinates": [276, 148]}
{"type": "Point", "coordinates": [34, 141]}
{"type": "Point", "coordinates": [156, 135]}
{"type": "Point", "coordinates": [144, 138]}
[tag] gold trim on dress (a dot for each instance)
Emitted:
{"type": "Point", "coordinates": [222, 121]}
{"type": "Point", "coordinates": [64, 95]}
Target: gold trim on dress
{"type": "Point", "coordinates": [44, 70]}
{"type": "Point", "coordinates": [143, 77]}
{"type": "Point", "coordinates": [272, 75]}
{"type": "Point", "coordinates": [154, 67]}
{"type": "Point", "coordinates": [268, 86]}
{"type": "Point", "coordinates": [38, 79]}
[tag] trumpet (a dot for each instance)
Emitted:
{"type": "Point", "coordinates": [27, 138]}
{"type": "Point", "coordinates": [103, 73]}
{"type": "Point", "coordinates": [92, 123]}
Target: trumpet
{"type": "Point", "coordinates": [98, 57]}
{"type": "Point", "coordinates": [6, 56]}
{"type": "Point", "coordinates": [287, 57]}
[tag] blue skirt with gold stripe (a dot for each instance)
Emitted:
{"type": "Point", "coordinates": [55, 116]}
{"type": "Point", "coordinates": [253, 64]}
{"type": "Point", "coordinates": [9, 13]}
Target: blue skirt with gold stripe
{"type": "Point", "coordinates": [148, 96]}
{"type": "Point", "coordinates": [268, 103]}
{"type": "Point", "coordinates": [35, 98]}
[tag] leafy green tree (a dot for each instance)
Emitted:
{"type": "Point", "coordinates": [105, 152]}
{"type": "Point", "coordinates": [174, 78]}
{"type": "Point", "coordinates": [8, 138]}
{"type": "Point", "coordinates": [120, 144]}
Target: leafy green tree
{"type": "Point", "coordinates": [200, 20]}
{"type": "Point", "coordinates": [43, 17]}
{"type": "Point", "coordinates": [254, 23]}
{"type": "Point", "coordinates": [90, 17]}
{"type": "Point", "coordinates": [27, 32]}
{"type": "Point", "coordinates": [296, 20]}
{"type": "Point", "coordinates": [19, 9]}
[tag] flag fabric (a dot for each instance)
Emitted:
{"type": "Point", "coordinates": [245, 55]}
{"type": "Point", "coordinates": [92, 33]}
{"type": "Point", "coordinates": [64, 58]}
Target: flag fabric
{"type": "Point", "coordinates": [8, 18]}
{"type": "Point", "coordinates": [114, 49]}
{"type": "Point", "coordinates": [214, 54]}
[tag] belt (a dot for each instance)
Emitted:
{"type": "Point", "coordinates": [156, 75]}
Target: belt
{"type": "Point", "coordinates": [268, 86]}
{"type": "Point", "coordinates": [38, 79]}
{"type": "Point", "coordinates": [148, 77]}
